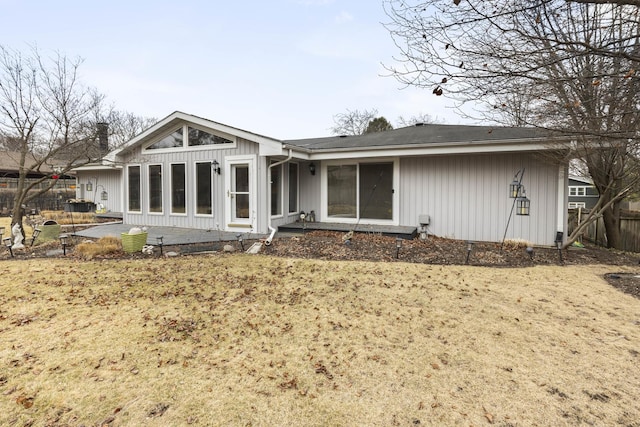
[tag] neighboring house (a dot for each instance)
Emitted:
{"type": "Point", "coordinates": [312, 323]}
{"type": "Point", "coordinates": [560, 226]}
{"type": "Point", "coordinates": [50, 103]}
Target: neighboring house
{"type": "Point", "coordinates": [63, 188]}
{"type": "Point", "coordinates": [187, 171]}
{"type": "Point", "coordinates": [582, 193]}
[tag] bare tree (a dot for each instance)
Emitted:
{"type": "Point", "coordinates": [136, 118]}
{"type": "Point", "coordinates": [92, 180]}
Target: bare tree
{"type": "Point", "coordinates": [419, 118]}
{"type": "Point", "coordinates": [46, 113]}
{"type": "Point", "coordinates": [353, 122]}
{"type": "Point", "coordinates": [565, 66]}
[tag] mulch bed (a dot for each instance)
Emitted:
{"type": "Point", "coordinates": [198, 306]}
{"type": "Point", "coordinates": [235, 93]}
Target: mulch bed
{"type": "Point", "coordinates": [327, 245]}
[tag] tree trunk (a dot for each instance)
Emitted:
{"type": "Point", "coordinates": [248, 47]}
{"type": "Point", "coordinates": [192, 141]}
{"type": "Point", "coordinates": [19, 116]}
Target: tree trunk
{"type": "Point", "coordinates": [611, 219]}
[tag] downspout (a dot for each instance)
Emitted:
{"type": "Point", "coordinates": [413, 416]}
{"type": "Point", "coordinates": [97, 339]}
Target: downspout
{"type": "Point", "coordinates": [273, 230]}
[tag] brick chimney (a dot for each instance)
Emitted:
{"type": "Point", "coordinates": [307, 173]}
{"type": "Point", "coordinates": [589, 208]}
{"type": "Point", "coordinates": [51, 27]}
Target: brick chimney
{"type": "Point", "coordinates": [102, 129]}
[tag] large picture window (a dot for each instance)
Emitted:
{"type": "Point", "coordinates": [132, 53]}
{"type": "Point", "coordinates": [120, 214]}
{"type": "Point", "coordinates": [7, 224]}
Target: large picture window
{"type": "Point", "coordinates": [293, 187]}
{"type": "Point", "coordinates": [276, 190]}
{"type": "Point", "coordinates": [155, 188]}
{"type": "Point", "coordinates": [178, 188]}
{"type": "Point", "coordinates": [133, 187]}
{"type": "Point", "coordinates": [204, 189]}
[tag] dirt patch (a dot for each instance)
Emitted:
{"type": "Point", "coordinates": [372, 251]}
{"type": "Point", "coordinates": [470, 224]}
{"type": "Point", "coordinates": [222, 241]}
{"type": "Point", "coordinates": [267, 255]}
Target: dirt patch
{"type": "Point", "coordinates": [626, 282]}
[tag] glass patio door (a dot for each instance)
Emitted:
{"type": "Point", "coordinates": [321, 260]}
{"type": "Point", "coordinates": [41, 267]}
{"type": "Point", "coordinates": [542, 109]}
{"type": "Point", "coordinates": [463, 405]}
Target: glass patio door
{"type": "Point", "coordinates": [361, 191]}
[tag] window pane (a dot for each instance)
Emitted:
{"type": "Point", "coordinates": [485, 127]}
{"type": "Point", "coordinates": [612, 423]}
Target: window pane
{"type": "Point", "coordinates": [276, 190]}
{"type": "Point", "coordinates": [293, 187]}
{"type": "Point", "coordinates": [242, 179]}
{"type": "Point", "coordinates": [203, 188]}
{"type": "Point", "coordinates": [171, 141]}
{"type": "Point", "coordinates": [178, 199]}
{"type": "Point", "coordinates": [341, 191]}
{"type": "Point", "coordinates": [242, 206]}
{"type": "Point", "coordinates": [155, 188]}
{"type": "Point", "coordinates": [200, 137]}
{"type": "Point", "coordinates": [134, 188]}
{"type": "Point", "coordinates": [376, 190]}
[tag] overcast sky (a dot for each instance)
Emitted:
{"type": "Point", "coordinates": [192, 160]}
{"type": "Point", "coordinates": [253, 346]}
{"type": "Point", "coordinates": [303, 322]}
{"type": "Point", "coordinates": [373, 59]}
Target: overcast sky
{"type": "Point", "coordinates": [281, 68]}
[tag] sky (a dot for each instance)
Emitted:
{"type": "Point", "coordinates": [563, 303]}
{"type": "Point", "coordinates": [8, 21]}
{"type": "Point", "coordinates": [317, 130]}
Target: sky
{"type": "Point", "coordinates": [280, 68]}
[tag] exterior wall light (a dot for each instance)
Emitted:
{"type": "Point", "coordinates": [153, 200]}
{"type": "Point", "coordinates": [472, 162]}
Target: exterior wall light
{"type": "Point", "coordinates": [312, 168]}
{"type": "Point", "coordinates": [89, 186]}
{"type": "Point", "coordinates": [215, 166]}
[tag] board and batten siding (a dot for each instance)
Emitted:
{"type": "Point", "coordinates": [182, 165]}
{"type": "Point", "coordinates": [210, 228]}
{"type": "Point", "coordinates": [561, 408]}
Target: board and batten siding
{"type": "Point", "coordinates": [467, 196]}
{"type": "Point", "coordinates": [101, 180]}
{"type": "Point", "coordinates": [189, 158]}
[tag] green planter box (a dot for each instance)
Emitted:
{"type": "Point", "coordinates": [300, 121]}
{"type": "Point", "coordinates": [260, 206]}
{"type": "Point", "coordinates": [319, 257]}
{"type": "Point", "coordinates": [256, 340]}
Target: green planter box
{"type": "Point", "coordinates": [133, 242]}
{"type": "Point", "coordinates": [49, 231]}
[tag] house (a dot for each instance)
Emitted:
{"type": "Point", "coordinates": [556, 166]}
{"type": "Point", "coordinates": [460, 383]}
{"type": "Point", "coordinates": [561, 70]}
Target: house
{"type": "Point", "coordinates": [582, 193]}
{"type": "Point", "coordinates": [187, 171]}
{"type": "Point", "coordinates": [62, 189]}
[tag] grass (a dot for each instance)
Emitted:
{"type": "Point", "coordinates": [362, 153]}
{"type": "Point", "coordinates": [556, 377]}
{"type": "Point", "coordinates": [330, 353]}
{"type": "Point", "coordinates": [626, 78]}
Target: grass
{"type": "Point", "coordinates": [104, 246]}
{"type": "Point", "coordinates": [253, 340]}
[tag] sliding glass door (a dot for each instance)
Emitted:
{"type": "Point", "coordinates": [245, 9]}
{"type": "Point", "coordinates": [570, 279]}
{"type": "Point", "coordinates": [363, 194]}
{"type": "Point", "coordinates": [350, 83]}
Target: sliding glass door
{"type": "Point", "coordinates": [360, 191]}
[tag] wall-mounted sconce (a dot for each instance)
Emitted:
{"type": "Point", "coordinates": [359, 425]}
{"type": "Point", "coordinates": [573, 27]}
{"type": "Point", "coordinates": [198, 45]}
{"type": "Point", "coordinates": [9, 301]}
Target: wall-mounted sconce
{"type": "Point", "coordinates": [312, 168]}
{"type": "Point", "coordinates": [104, 196]}
{"type": "Point", "coordinates": [215, 166]}
{"type": "Point", "coordinates": [89, 186]}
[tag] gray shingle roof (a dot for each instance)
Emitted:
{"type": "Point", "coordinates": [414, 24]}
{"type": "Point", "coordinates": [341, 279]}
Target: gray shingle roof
{"type": "Point", "coordinates": [421, 135]}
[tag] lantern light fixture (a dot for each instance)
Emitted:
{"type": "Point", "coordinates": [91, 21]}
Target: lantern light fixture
{"type": "Point", "coordinates": [64, 243]}
{"type": "Point", "coordinates": [469, 249]}
{"type": "Point", "coordinates": [312, 168]}
{"type": "Point", "coordinates": [398, 246]}
{"type": "Point", "coordinates": [7, 242]}
{"type": "Point", "coordinates": [215, 165]}
{"type": "Point", "coordinates": [160, 241]}
{"type": "Point", "coordinates": [523, 204]}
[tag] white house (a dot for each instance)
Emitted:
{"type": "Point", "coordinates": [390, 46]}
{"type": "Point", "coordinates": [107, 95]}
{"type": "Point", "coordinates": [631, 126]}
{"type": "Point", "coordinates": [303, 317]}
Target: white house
{"type": "Point", "coordinates": [186, 171]}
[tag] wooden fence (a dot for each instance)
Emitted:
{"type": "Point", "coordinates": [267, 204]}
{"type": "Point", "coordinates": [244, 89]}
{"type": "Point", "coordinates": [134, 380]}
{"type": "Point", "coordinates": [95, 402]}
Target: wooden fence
{"type": "Point", "coordinates": [595, 232]}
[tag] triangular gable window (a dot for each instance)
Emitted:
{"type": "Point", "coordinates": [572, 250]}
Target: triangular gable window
{"type": "Point", "coordinates": [200, 137]}
{"type": "Point", "coordinates": [174, 140]}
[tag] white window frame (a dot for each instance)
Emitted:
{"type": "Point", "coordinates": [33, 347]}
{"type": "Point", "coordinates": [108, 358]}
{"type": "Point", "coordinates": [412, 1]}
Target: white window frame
{"type": "Point", "coordinates": [195, 190]}
{"type": "Point", "coordinates": [281, 166]}
{"type": "Point", "coordinates": [185, 141]}
{"type": "Point", "coordinates": [577, 191]}
{"type": "Point", "coordinates": [297, 195]}
{"type": "Point", "coordinates": [140, 187]}
{"type": "Point", "coordinates": [396, 193]}
{"type": "Point", "coordinates": [576, 205]}
{"type": "Point", "coordinates": [148, 192]}
{"type": "Point", "coordinates": [186, 199]}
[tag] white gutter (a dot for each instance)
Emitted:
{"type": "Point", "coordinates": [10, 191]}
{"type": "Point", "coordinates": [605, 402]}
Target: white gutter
{"type": "Point", "coordinates": [273, 230]}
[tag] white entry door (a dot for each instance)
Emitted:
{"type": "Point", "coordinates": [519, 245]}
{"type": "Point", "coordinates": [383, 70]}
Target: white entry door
{"type": "Point", "coordinates": [241, 193]}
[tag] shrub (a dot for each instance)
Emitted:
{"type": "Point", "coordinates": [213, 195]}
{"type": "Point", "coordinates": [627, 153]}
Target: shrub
{"type": "Point", "coordinates": [104, 246]}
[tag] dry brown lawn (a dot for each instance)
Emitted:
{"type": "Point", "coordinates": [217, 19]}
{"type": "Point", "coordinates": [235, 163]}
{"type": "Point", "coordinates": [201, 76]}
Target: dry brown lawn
{"type": "Point", "coordinates": [254, 340]}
